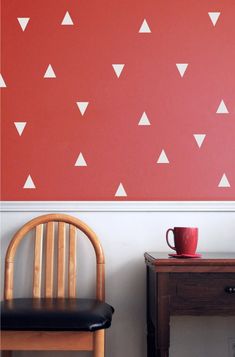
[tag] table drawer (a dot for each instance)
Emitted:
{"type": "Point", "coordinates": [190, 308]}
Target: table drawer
{"type": "Point", "coordinates": [202, 294]}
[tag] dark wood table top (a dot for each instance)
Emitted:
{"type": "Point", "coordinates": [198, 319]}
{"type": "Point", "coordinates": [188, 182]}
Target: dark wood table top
{"type": "Point", "coordinates": [207, 259]}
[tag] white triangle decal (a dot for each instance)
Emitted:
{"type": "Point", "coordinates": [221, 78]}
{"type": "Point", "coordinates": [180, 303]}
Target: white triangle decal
{"type": "Point", "coordinates": [80, 160]}
{"type": "Point", "coordinates": [224, 182]}
{"type": "Point", "coordinates": [163, 158]}
{"type": "Point", "coordinates": [49, 72]}
{"type": "Point", "coordinates": [144, 120]}
{"type": "Point", "coordinates": [2, 83]}
{"type": "Point", "coordinates": [67, 19]}
{"type": "Point", "coordinates": [199, 139]}
{"type": "Point", "coordinates": [120, 191]}
{"type": "Point", "coordinates": [23, 21]}
{"type": "Point", "coordinates": [29, 183]}
{"type": "Point", "coordinates": [214, 17]}
{"type": "Point", "coordinates": [182, 68]}
{"type": "Point", "coordinates": [118, 69]}
{"type": "Point", "coordinates": [82, 106]}
{"type": "Point", "coordinates": [222, 109]}
{"type": "Point", "coordinates": [20, 127]}
{"type": "Point", "coordinates": [144, 27]}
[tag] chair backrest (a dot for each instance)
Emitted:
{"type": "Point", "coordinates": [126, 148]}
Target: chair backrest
{"type": "Point", "coordinates": [51, 221]}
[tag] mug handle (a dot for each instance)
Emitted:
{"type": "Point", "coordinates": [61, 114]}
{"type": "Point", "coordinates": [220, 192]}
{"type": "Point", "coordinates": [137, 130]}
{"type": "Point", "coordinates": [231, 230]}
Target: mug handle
{"type": "Point", "coordinates": [167, 239]}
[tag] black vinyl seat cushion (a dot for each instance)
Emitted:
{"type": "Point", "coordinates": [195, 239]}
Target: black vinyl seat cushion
{"type": "Point", "coordinates": [55, 314]}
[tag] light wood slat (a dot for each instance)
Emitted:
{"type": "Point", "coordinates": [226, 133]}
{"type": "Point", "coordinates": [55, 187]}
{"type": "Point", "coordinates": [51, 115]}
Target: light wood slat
{"type": "Point", "coordinates": [45, 340]}
{"type": "Point", "coordinates": [72, 261]}
{"type": "Point", "coordinates": [49, 260]}
{"type": "Point", "coordinates": [37, 274]}
{"type": "Point", "coordinates": [61, 260]}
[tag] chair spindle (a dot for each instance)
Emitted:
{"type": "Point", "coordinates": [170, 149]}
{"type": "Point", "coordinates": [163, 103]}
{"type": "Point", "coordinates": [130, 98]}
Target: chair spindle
{"type": "Point", "coordinates": [72, 261]}
{"type": "Point", "coordinates": [37, 275]}
{"type": "Point", "coordinates": [61, 259]}
{"type": "Point", "coordinates": [49, 260]}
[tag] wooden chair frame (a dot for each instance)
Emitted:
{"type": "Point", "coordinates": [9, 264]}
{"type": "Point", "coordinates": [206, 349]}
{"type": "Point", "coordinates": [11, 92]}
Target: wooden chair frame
{"type": "Point", "coordinates": [56, 340]}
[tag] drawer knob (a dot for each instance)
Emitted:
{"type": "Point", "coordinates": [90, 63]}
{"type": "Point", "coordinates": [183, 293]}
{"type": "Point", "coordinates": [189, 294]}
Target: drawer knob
{"type": "Point", "coordinates": [230, 289]}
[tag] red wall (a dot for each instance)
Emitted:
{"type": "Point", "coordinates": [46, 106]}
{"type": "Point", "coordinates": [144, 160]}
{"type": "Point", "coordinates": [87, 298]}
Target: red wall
{"type": "Point", "coordinates": [115, 148]}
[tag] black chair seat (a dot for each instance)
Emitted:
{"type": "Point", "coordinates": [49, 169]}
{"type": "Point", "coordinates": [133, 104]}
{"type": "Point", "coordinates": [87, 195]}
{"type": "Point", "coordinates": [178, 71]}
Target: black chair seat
{"type": "Point", "coordinates": [55, 314]}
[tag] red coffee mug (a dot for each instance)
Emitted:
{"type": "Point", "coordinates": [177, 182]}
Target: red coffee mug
{"type": "Point", "coordinates": [185, 240]}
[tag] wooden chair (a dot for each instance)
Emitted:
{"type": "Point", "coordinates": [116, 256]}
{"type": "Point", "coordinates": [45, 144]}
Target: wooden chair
{"type": "Point", "coordinates": [23, 325]}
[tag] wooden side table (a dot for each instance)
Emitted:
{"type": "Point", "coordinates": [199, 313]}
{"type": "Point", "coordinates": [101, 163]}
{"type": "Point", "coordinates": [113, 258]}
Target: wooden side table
{"type": "Point", "coordinates": [204, 286]}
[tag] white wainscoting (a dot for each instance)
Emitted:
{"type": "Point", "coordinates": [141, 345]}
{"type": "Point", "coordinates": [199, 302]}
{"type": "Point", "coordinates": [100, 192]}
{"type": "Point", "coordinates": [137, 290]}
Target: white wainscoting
{"type": "Point", "coordinates": [118, 206]}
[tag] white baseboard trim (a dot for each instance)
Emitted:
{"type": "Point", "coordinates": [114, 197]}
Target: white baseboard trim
{"type": "Point", "coordinates": [117, 206]}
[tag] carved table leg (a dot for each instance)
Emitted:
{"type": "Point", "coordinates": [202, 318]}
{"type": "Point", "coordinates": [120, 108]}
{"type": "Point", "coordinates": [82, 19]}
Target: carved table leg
{"type": "Point", "coordinates": [163, 315]}
{"type": "Point", "coordinates": [6, 353]}
{"type": "Point", "coordinates": [151, 347]}
{"type": "Point", "coordinates": [162, 353]}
